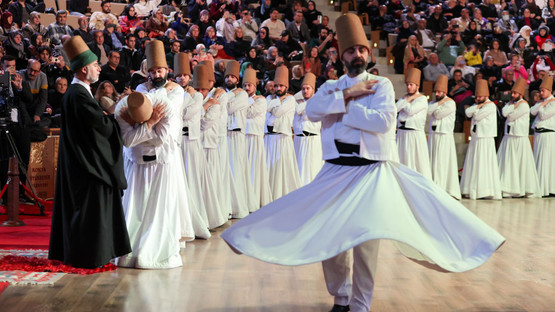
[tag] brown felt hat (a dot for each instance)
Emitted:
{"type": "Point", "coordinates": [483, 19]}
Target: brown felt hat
{"type": "Point", "coordinates": [441, 83]}
{"type": "Point", "coordinates": [350, 33]}
{"type": "Point", "coordinates": [181, 64]}
{"type": "Point", "coordinates": [201, 76]}
{"type": "Point", "coordinates": [78, 53]}
{"type": "Point", "coordinates": [139, 107]}
{"type": "Point", "coordinates": [249, 75]}
{"type": "Point", "coordinates": [309, 79]}
{"type": "Point", "coordinates": [282, 76]}
{"type": "Point", "coordinates": [519, 86]}
{"type": "Point", "coordinates": [482, 88]}
{"type": "Point", "coordinates": [155, 54]}
{"type": "Point", "coordinates": [414, 76]}
{"type": "Point", "coordinates": [232, 68]}
{"type": "Point", "coordinates": [211, 65]}
{"type": "Point", "coordinates": [547, 83]}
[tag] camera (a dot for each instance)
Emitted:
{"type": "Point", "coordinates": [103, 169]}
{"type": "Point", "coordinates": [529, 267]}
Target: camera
{"type": "Point", "coordinates": [6, 101]}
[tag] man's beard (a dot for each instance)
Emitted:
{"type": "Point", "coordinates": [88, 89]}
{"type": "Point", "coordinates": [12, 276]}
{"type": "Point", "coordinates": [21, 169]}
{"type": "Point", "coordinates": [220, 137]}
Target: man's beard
{"type": "Point", "coordinates": [159, 82]}
{"type": "Point", "coordinates": [280, 93]}
{"type": "Point", "coordinates": [230, 85]}
{"type": "Point", "coordinates": [480, 101]}
{"type": "Point", "coordinates": [356, 66]}
{"type": "Point", "coordinates": [90, 78]}
{"type": "Point", "coordinates": [516, 99]}
{"type": "Point", "coordinates": [440, 98]}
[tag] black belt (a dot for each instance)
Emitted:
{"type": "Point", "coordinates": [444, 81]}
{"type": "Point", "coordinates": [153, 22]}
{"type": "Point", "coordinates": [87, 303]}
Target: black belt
{"type": "Point", "coordinates": [147, 158]}
{"type": "Point", "coordinates": [345, 148]}
{"type": "Point", "coordinates": [186, 131]}
{"type": "Point", "coordinates": [402, 127]}
{"type": "Point", "coordinates": [543, 130]}
{"type": "Point", "coordinates": [306, 133]}
{"type": "Point", "coordinates": [434, 128]}
{"type": "Point", "coordinates": [351, 161]}
{"type": "Point", "coordinates": [271, 130]}
{"type": "Point", "coordinates": [236, 129]}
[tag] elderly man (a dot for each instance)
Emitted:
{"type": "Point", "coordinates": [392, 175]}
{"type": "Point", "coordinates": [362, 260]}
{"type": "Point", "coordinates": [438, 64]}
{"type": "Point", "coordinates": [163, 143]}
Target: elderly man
{"type": "Point", "coordinates": [361, 194]}
{"type": "Point", "coordinates": [434, 69]}
{"type": "Point", "coordinates": [426, 37]}
{"type": "Point", "coordinates": [34, 95]}
{"type": "Point", "coordinates": [88, 230]}
{"type": "Point", "coordinates": [98, 19]}
{"type": "Point", "coordinates": [99, 48]}
{"type": "Point", "coordinates": [84, 31]}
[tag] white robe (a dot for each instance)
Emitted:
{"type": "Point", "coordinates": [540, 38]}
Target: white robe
{"type": "Point", "coordinates": [544, 145]}
{"type": "Point", "coordinates": [413, 150]}
{"type": "Point", "coordinates": [517, 168]}
{"type": "Point", "coordinates": [441, 145]}
{"type": "Point", "coordinates": [307, 143]}
{"type": "Point", "coordinates": [154, 205]}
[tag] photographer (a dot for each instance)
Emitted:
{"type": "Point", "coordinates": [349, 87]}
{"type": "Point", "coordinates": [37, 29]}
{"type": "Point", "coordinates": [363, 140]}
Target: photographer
{"type": "Point", "coordinates": [12, 112]}
{"type": "Point", "coordinates": [56, 69]}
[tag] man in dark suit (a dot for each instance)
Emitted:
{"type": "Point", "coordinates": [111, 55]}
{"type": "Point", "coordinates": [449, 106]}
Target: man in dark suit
{"type": "Point", "coordinates": [88, 223]}
{"type": "Point", "coordinates": [99, 48]}
{"type": "Point", "coordinates": [116, 74]}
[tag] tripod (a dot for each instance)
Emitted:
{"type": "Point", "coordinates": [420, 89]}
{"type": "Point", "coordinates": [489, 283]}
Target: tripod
{"type": "Point", "coordinates": [13, 178]}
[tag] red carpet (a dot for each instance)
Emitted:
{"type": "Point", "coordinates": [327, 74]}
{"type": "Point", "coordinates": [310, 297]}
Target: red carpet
{"type": "Point", "coordinates": [35, 234]}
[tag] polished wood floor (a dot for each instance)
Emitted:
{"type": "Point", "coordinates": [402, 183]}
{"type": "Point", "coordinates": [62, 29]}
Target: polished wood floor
{"type": "Point", "coordinates": [519, 277]}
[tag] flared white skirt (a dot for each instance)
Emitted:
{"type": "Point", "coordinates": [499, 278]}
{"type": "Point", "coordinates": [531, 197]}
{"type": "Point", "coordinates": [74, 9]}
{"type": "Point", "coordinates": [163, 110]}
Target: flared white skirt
{"type": "Point", "coordinates": [544, 154]}
{"type": "Point", "coordinates": [443, 161]}
{"type": "Point", "coordinates": [212, 184]}
{"type": "Point", "coordinates": [480, 176]}
{"type": "Point", "coordinates": [281, 163]}
{"type": "Point", "coordinates": [346, 205]}
{"type": "Point", "coordinates": [308, 152]}
{"type": "Point", "coordinates": [413, 151]}
{"type": "Point", "coordinates": [517, 168]}
{"type": "Point", "coordinates": [241, 203]}
{"type": "Point", "coordinates": [224, 175]}
{"type": "Point", "coordinates": [259, 177]}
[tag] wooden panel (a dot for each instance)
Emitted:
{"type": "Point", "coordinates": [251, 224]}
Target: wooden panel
{"type": "Point", "coordinates": [73, 21]}
{"type": "Point", "coordinates": [47, 19]}
{"type": "Point", "coordinates": [95, 6]}
{"type": "Point", "coordinates": [117, 8]}
{"type": "Point", "coordinates": [50, 4]}
{"type": "Point", "coordinates": [62, 5]}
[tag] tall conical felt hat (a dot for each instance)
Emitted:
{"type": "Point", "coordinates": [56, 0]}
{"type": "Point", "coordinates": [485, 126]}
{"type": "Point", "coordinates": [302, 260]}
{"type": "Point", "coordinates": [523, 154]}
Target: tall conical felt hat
{"type": "Point", "coordinates": [181, 64]}
{"type": "Point", "coordinates": [232, 68]}
{"type": "Point", "coordinates": [519, 86]}
{"type": "Point", "coordinates": [414, 76]}
{"type": "Point", "coordinates": [350, 33]}
{"type": "Point", "coordinates": [211, 65]}
{"type": "Point", "coordinates": [78, 53]}
{"type": "Point", "coordinates": [249, 75]}
{"type": "Point", "coordinates": [309, 79]}
{"type": "Point", "coordinates": [155, 54]}
{"type": "Point", "coordinates": [547, 83]}
{"type": "Point", "coordinates": [139, 107]}
{"type": "Point", "coordinates": [482, 88]}
{"type": "Point", "coordinates": [201, 77]}
{"type": "Point", "coordinates": [441, 83]}
{"type": "Point", "coordinates": [282, 76]}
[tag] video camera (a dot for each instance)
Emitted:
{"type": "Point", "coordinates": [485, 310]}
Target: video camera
{"type": "Point", "coordinates": [6, 101]}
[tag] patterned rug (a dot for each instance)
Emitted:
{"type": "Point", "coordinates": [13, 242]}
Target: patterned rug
{"type": "Point", "coordinates": [18, 277]}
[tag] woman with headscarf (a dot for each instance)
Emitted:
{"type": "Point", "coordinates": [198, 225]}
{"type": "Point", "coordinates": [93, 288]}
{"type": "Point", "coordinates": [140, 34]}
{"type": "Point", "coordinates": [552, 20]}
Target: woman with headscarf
{"type": "Point", "coordinates": [311, 18]}
{"type": "Point", "coordinates": [531, 5]}
{"type": "Point", "coordinates": [139, 76]}
{"type": "Point", "coordinates": [262, 42]}
{"type": "Point", "coordinates": [157, 24]}
{"type": "Point", "coordinates": [215, 44]}
{"type": "Point", "coordinates": [542, 36]}
{"type": "Point", "coordinates": [7, 25]}
{"type": "Point", "coordinates": [34, 26]}
{"type": "Point", "coordinates": [525, 53]}
{"type": "Point", "coordinates": [526, 19]}
{"type": "Point", "coordinates": [525, 33]}
{"type": "Point", "coordinates": [257, 61]}
{"type": "Point", "coordinates": [202, 54]}
{"type": "Point", "coordinates": [14, 46]}
{"type": "Point", "coordinates": [469, 36]}
{"type": "Point", "coordinates": [192, 39]}
{"type": "Point", "coordinates": [129, 20]}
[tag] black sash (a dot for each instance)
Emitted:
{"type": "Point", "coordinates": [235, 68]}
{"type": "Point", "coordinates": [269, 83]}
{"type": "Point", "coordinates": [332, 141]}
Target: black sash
{"type": "Point", "coordinates": [236, 129]}
{"type": "Point", "coordinates": [402, 127]}
{"type": "Point", "coordinates": [306, 133]}
{"type": "Point", "coordinates": [185, 131]}
{"type": "Point", "coordinates": [148, 158]}
{"type": "Point", "coordinates": [271, 130]}
{"type": "Point", "coordinates": [543, 130]}
{"type": "Point", "coordinates": [351, 161]}
{"type": "Point", "coordinates": [434, 128]}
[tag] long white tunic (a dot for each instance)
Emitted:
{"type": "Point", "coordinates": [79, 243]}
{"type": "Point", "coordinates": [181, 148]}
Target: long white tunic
{"type": "Point", "coordinates": [544, 145]}
{"type": "Point", "coordinates": [516, 161]}
{"type": "Point", "coordinates": [307, 144]}
{"type": "Point", "coordinates": [413, 150]}
{"type": "Point", "coordinates": [347, 205]}
{"type": "Point", "coordinates": [259, 177]}
{"type": "Point", "coordinates": [441, 145]}
{"type": "Point", "coordinates": [480, 176]}
{"type": "Point", "coordinates": [156, 209]}
{"type": "Point", "coordinates": [280, 154]}
{"type": "Point", "coordinates": [223, 151]}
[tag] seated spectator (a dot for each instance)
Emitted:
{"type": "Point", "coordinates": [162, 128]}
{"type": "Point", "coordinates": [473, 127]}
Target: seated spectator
{"type": "Point", "coordinates": [404, 32]}
{"type": "Point", "coordinates": [517, 67]}
{"type": "Point", "coordinates": [272, 58]}
{"type": "Point", "coordinates": [504, 86]}
{"type": "Point", "coordinates": [192, 39]}
{"type": "Point", "coordinates": [237, 47]}
{"type": "Point", "coordinates": [98, 47]}
{"type": "Point", "coordinates": [33, 26]}
{"type": "Point", "coordinates": [58, 68]}
{"type": "Point", "coordinates": [434, 69]}
{"type": "Point", "coordinates": [36, 42]}
{"type": "Point", "coordinates": [298, 30]}
{"type": "Point", "coordinates": [175, 47]}
{"type": "Point", "coordinates": [506, 23]}
{"type": "Point", "coordinates": [44, 57]}
{"type": "Point", "coordinates": [526, 19]}
{"type": "Point", "coordinates": [526, 54]}
{"type": "Point", "coordinates": [275, 25]}
{"type": "Point", "coordinates": [334, 61]}
{"type": "Point", "coordinates": [547, 11]}
{"type": "Point", "coordinates": [543, 35]}
{"type": "Point", "coordinates": [541, 63]}
{"type": "Point", "coordinates": [169, 8]}
{"type": "Point", "coordinates": [329, 73]}
{"type": "Point", "coordinates": [205, 21]}
{"type": "Point", "coordinates": [535, 85]}
{"type": "Point", "coordinates": [311, 63]}
{"type": "Point", "coordinates": [107, 96]}
{"type": "Point", "coordinates": [297, 74]}
{"type": "Point", "coordinates": [219, 71]}
{"type": "Point", "coordinates": [59, 28]}
{"type": "Point", "coordinates": [290, 11]}
{"type": "Point", "coordinates": [130, 56]}
{"type": "Point", "coordinates": [395, 8]}
{"type": "Point", "coordinates": [249, 27]}
{"type": "Point", "coordinates": [436, 21]}
{"type": "Point", "coordinates": [289, 48]}
{"type": "Point", "coordinates": [14, 46]}
{"type": "Point", "coordinates": [116, 74]}
{"type": "Point", "coordinates": [464, 20]}
{"type": "Point", "coordinates": [459, 88]}
{"type": "Point", "coordinates": [499, 57]}
{"type": "Point", "coordinates": [139, 76]}
{"type": "Point", "coordinates": [425, 37]}
{"type": "Point", "coordinates": [262, 42]}
{"type": "Point", "coordinates": [54, 106]}
{"type": "Point", "coordinates": [324, 41]}
{"type": "Point", "coordinates": [157, 24]}
{"type": "Point", "coordinates": [460, 64]}
{"type": "Point", "coordinates": [473, 57]}
{"type": "Point", "coordinates": [114, 39]}
{"type": "Point", "coordinates": [535, 11]}
{"type": "Point", "coordinates": [448, 55]}
{"type": "Point", "coordinates": [97, 20]}
{"type": "Point", "coordinates": [483, 25]}
{"type": "Point", "coordinates": [471, 35]}
{"type": "Point", "coordinates": [143, 8]}
{"type": "Point", "coordinates": [202, 54]}
{"type": "Point", "coordinates": [215, 44]}
{"type": "Point", "coordinates": [180, 25]}
{"type": "Point", "coordinates": [129, 20]}
{"type": "Point", "coordinates": [410, 17]}
{"type": "Point", "coordinates": [194, 7]}
{"type": "Point", "coordinates": [420, 7]}
{"type": "Point", "coordinates": [83, 29]}
{"type": "Point", "coordinates": [257, 61]}
{"type": "Point", "coordinates": [490, 70]}
{"type": "Point", "coordinates": [169, 36]}
{"type": "Point", "coordinates": [414, 55]}
{"type": "Point", "coordinates": [7, 25]}
{"type": "Point", "coordinates": [262, 13]}
{"type": "Point", "coordinates": [33, 96]}
{"type": "Point", "coordinates": [217, 8]}
{"type": "Point", "coordinates": [21, 10]}
{"type": "Point", "coordinates": [224, 27]}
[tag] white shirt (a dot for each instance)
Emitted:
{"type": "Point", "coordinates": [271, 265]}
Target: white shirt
{"type": "Point", "coordinates": [518, 120]}
{"type": "Point", "coordinates": [443, 116]}
{"type": "Point", "coordinates": [545, 116]}
{"type": "Point", "coordinates": [413, 114]}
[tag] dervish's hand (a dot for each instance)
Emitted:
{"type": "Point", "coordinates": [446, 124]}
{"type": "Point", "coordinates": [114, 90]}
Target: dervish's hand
{"type": "Point", "coordinates": [218, 92]}
{"type": "Point", "coordinates": [362, 88]}
{"type": "Point", "coordinates": [237, 90]}
{"type": "Point", "coordinates": [158, 112]}
{"type": "Point", "coordinates": [191, 90]}
{"type": "Point", "coordinates": [124, 114]}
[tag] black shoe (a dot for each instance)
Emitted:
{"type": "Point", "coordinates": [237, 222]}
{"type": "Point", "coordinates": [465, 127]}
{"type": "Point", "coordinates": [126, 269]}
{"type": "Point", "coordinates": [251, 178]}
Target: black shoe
{"type": "Point", "coordinates": [340, 308]}
{"type": "Point", "coordinates": [24, 199]}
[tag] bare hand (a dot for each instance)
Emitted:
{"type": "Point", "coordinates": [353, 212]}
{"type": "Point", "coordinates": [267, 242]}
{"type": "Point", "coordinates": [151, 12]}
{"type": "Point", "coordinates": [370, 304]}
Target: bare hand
{"type": "Point", "coordinates": [49, 110]}
{"type": "Point", "coordinates": [18, 81]}
{"type": "Point", "coordinates": [36, 118]}
{"type": "Point", "coordinates": [190, 90]}
{"type": "Point", "coordinates": [237, 90]}
{"type": "Point", "coordinates": [362, 88]}
{"type": "Point", "coordinates": [124, 114]}
{"type": "Point", "coordinates": [158, 112]}
{"type": "Point", "coordinates": [218, 92]}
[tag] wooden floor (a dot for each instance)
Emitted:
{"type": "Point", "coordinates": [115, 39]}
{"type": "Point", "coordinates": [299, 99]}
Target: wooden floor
{"type": "Point", "coordinates": [519, 277]}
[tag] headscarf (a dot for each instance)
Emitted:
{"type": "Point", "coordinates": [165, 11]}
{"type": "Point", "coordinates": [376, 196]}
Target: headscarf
{"type": "Point", "coordinates": [143, 72]}
{"type": "Point", "coordinates": [19, 47]}
{"type": "Point", "coordinates": [522, 33]}
{"type": "Point", "coordinates": [5, 16]}
{"type": "Point", "coordinates": [243, 67]}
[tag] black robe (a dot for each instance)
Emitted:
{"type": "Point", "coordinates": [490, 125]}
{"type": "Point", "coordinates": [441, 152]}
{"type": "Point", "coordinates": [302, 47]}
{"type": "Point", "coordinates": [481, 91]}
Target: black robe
{"type": "Point", "coordinates": [88, 223]}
